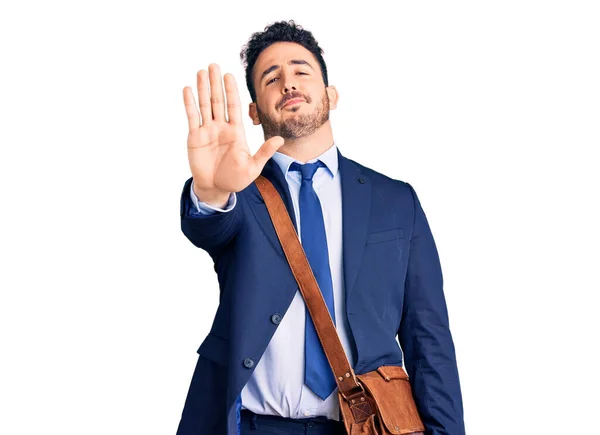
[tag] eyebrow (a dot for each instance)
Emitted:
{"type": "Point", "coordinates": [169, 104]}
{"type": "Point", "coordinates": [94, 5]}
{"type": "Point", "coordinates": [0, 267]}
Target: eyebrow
{"type": "Point", "coordinates": [291, 62]}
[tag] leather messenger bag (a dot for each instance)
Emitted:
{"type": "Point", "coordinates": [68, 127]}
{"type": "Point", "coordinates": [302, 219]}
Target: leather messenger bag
{"type": "Point", "coordinates": [379, 402]}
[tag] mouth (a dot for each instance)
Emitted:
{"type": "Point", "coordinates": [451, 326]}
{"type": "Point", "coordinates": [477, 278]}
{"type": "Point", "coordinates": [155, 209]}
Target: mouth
{"type": "Point", "coordinates": [293, 101]}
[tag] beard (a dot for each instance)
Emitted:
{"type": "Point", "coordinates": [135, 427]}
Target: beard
{"type": "Point", "coordinates": [297, 126]}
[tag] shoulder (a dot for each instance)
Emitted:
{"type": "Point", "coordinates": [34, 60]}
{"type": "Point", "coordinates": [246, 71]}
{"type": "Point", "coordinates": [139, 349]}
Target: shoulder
{"type": "Point", "coordinates": [384, 184]}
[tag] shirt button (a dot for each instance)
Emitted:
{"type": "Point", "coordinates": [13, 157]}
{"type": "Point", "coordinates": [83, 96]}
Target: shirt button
{"type": "Point", "coordinates": [248, 363]}
{"type": "Point", "coordinates": [276, 318]}
{"type": "Point", "coordinates": [306, 413]}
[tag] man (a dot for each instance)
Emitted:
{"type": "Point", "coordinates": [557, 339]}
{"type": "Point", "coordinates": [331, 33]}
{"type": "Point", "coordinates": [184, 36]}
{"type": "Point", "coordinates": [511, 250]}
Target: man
{"type": "Point", "coordinates": [260, 369]}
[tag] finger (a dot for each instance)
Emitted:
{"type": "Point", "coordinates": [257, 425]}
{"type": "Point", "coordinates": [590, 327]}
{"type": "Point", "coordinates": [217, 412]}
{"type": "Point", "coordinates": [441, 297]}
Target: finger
{"type": "Point", "coordinates": [190, 109]}
{"type": "Point", "coordinates": [234, 106]}
{"type": "Point", "coordinates": [264, 153]}
{"type": "Point", "coordinates": [204, 96]}
{"type": "Point", "coordinates": [217, 98]}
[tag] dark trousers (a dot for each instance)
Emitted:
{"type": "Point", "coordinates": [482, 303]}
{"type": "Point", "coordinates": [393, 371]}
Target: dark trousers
{"type": "Point", "coordinates": [253, 424]}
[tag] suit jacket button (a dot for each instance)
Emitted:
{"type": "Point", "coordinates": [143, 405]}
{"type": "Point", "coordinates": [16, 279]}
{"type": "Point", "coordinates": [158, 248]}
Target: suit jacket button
{"type": "Point", "coordinates": [276, 318]}
{"type": "Point", "coordinates": [248, 363]}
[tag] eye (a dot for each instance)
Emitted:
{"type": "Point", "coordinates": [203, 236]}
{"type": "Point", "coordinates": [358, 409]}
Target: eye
{"type": "Point", "coordinates": [302, 72]}
{"type": "Point", "coordinates": [271, 81]}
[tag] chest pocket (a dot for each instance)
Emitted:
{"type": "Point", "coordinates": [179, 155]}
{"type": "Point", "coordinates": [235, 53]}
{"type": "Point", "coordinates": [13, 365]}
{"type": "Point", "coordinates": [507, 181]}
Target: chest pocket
{"type": "Point", "coordinates": [383, 236]}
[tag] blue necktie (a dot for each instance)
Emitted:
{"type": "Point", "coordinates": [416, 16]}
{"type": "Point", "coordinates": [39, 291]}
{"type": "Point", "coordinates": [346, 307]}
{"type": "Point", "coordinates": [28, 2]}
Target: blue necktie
{"type": "Point", "coordinates": [317, 372]}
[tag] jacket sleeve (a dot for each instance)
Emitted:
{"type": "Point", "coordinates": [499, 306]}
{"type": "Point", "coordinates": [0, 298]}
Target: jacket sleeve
{"type": "Point", "coordinates": [213, 231]}
{"type": "Point", "coordinates": [424, 335]}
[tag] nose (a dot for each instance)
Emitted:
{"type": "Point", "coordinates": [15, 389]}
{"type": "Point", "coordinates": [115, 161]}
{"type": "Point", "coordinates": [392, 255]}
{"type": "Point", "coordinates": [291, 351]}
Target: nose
{"type": "Point", "coordinates": [288, 83]}
{"type": "Point", "coordinates": [288, 87]}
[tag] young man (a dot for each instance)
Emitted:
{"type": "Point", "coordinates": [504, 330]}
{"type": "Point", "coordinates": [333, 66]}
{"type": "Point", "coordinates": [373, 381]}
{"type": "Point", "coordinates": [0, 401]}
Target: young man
{"type": "Point", "coordinates": [261, 369]}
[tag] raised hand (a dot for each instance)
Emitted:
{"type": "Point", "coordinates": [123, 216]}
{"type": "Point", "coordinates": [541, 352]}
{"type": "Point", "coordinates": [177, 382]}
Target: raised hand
{"type": "Point", "coordinates": [218, 153]}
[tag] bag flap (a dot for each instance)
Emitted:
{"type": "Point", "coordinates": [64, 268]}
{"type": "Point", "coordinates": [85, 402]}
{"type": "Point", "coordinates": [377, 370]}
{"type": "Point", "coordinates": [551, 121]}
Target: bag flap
{"type": "Point", "coordinates": [390, 388]}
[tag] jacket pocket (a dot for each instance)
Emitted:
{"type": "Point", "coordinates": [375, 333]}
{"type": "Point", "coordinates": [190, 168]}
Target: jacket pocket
{"type": "Point", "coordinates": [382, 236]}
{"type": "Point", "coordinates": [215, 349]}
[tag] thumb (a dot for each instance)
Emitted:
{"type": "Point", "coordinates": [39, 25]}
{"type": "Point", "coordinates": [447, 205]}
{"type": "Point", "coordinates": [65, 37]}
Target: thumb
{"type": "Point", "coordinates": [264, 153]}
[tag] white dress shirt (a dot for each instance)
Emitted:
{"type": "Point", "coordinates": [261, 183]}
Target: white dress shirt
{"type": "Point", "coordinates": [276, 386]}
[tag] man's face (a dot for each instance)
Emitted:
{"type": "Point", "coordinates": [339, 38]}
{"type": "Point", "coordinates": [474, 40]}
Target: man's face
{"type": "Point", "coordinates": [291, 98]}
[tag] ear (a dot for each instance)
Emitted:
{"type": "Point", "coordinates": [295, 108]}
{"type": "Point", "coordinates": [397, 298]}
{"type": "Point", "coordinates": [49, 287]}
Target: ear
{"type": "Point", "coordinates": [253, 114]}
{"type": "Point", "coordinates": [333, 96]}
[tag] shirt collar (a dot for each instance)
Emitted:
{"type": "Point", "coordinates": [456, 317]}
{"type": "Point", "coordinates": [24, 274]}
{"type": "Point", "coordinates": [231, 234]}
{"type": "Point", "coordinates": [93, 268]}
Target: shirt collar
{"type": "Point", "coordinates": [329, 157]}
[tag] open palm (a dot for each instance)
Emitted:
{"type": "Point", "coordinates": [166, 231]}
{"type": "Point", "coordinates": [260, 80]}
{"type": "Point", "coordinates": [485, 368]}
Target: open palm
{"type": "Point", "coordinates": [218, 153]}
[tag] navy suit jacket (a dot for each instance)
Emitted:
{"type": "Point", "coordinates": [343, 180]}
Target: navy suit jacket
{"type": "Point", "coordinates": [393, 287]}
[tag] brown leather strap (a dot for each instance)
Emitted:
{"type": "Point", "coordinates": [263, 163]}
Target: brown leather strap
{"type": "Point", "coordinates": [344, 375]}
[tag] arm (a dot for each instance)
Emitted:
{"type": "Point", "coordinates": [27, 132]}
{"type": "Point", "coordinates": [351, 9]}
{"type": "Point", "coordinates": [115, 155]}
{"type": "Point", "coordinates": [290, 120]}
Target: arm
{"type": "Point", "coordinates": [220, 160]}
{"type": "Point", "coordinates": [205, 226]}
{"type": "Point", "coordinates": [424, 335]}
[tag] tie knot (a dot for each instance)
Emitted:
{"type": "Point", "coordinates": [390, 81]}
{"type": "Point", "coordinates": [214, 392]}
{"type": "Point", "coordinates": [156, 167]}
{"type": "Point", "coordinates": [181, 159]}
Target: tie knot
{"type": "Point", "coordinates": [307, 170]}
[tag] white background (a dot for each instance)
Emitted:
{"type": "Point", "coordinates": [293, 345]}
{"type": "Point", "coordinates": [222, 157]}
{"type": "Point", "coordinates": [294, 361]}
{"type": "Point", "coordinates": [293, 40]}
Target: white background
{"type": "Point", "coordinates": [491, 110]}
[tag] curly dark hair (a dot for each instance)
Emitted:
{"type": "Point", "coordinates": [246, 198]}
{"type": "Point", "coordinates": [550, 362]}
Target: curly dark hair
{"type": "Point", "coordinates": [281, 31]}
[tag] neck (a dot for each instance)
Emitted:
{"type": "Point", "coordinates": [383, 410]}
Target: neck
{"type": "Point", "coordinates": [307, 148]}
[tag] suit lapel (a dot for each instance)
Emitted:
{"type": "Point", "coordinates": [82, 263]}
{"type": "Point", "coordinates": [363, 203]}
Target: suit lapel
{"type": "Point", "coordinates": [356, 207]}
{"type": "Point", "coordinates": [272, 173]}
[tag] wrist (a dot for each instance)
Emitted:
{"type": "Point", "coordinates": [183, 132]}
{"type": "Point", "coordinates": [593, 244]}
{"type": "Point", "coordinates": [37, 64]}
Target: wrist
{"type": "Point", "coordinates": [212, 197]}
